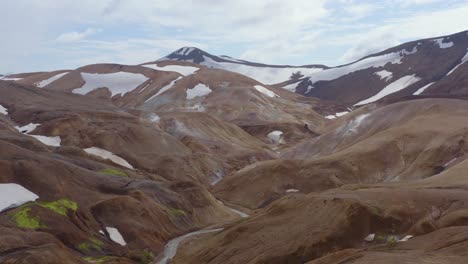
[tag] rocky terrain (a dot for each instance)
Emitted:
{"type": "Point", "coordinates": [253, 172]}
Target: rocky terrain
{"type": "Point", "coordinates": [196, 158]}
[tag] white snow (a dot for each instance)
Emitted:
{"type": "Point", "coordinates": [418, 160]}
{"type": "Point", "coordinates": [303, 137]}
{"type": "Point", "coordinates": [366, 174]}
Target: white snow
{"type": "Point", "coordinates": [117, 83]}
{"type": "Point", "coordinates": [46, 82]}
{"type": "Point", "coordinates": [171, 247]}
{"type": "Point", "coordinates": [384, 75]}
{"type": "Point", "coordinates": [291, 87]}
{"type": "Point", "coordinates": [3, 110]}
{"type": "Point", "coordinates": [165, 88]}
{"type": "Point", "coordinates": [451, 162]}
{"type": "Point", "coordinates": [184, 70]}
{"type": "Point", "coordinates": [265, 91]}
{"type": "Point", "coordinates": [406, 238]}
{"type": "Point", "coordinates": [10, 79]}
{"type": "Point", "coordinates": [224, 57]}
{"type": "Point", "coordinates": [154, 118]}
{"type": "Point", "coordinates": [394, 87]}
{"type": "Point", "coordinates": [14, 195]}
{"type": "Point", "coordinates": [49, 141]}
{"type": "Point", "coordinates": [370, 62]}
{"type": "Point", "coordinates": [108, 155]}
{"type": "Point", "coordinates": [422, 89]}
{"type": "Point", "coordinates": [463, 60]}
{"type": "Point", "coordinates": [336, 115]}
{"type": "Point", "coordinates": [443, 45]}
{"type": "Point", "coordinates": [292, 190]}
{"type": "Point", "coordinates": [199, 90]}
{"type": "Point", "coordinates": [116, 236]}
{"type": "Point", "coordinates": [369, 238]}
{"type": "Point", "coordinates": [266, 75]}
{"type": "Point", "coordinates": [27, 128]}
{"type": "Point", "coordinates": [275, 135]}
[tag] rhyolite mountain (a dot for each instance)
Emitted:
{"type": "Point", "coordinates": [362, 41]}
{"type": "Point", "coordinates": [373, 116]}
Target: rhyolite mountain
{"type": "Point", "coordinates": [432, 66]}
{"type": "Point", "coordinates": [196, 158]}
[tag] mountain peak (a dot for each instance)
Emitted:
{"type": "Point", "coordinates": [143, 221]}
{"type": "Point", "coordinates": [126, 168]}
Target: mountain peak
{"type": "Point", "coordinates": [192, 54]}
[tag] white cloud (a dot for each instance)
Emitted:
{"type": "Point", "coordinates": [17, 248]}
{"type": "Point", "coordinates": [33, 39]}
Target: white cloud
{"type": "Point", "coordinates": [76, 36]}
{"type": "Point", "coordinates": [272, 31]}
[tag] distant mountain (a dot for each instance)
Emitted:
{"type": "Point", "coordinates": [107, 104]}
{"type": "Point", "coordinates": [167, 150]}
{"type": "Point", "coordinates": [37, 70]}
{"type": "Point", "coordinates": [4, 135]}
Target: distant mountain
{"type": "Point", "coordinates": [429, 66]}
{"type": "Point", "coordinates": [265, 73]}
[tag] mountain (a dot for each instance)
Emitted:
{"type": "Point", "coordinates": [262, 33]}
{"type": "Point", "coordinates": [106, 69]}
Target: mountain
{"type": "Point", "coordinates": [267, 74]}
{"type": "Point", "coordinates": [429, 66]}
{"type": "Point", "coordinates": [195, 158]}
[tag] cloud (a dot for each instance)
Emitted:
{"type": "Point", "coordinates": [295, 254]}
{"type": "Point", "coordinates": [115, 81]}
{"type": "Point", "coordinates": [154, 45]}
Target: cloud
{"type": "Point", "coordinates": [76, 36]}
{"type": "Point", "coordinates": [271, 31]}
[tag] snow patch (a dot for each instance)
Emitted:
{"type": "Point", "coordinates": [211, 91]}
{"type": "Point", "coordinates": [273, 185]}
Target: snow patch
{"type": "Point", "coordinates": [10, 79]}
{"type": "Point", "coordinates": [336, 115]}
{"type": "Point", "coordinates": [384, 75]}
{"type": "Point", "coordinates": [394, 87]}
{"type": "Point", "coordinates": [370, 62]}
{"type": "Point", "coordinates": [108, 155]}
{"type": "Point", "coordinates": [275, 136]}
{"type": "Point", "coordinates": [406, 238]}
{"type": "Point", "coordinates": [292, 191]}
{"type": "Point", "coordinates": [443, 45]}
{"type": "Point", "coordinates": [117, 83]}
{"type": "Point", "coordinates": [369, 238]}
{"type": "Point", "coordinates": [3, 110]}
{"type": "Point", "coordinates": [184, 70]}
{"type": "Point", "coordinates": [115, 236]}
{"type": "Point", "coordinates": [154, 118]}
{"type": "Point", "coordinates": [266, 75]}
{"type": "Point", "coordinates": [165, 88]}
{"type": "Point", "coordinates": [265, 91]}
{"type": "Point", "coordinates": [199, 90]}
{"type": "Point", "coordinates": [27, 128]}
{"type": "Point", "coordinates": [422, 89]}
{"type": "Point", "coordinates": [291, 87]}
{"type": "Point", "coordinates": [463, 60]}
{"type": "Point", "coordinates": [13, 195]}
{"type": "Point", "coordinates": [52, 79]}
{"type": "Point", "coordinates": [49, 141]}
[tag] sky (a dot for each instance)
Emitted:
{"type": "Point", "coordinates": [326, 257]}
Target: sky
{"type": "Point", "coordinates": [43, 35]}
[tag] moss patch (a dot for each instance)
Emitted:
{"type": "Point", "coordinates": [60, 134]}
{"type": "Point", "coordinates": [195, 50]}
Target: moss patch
{"type": "Point", "coordinates": [92, 244]}
{"type": "Point", "coordinates": [22, 219]}
{"type": "Point", "coordinates": [142, 256]}
{"type": "Point", "coordinates": [98, 260]}
{"type": "Point", "coordinates": [176, 212]}
{"type": "Point", "coordinates": [60, 206]}
{"type": "Point", "coordinates": [114, 172]}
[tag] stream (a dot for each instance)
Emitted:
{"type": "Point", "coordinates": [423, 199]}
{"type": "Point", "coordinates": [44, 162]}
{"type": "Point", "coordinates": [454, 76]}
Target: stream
{"type": "Point", "coordinates": [171, 247]}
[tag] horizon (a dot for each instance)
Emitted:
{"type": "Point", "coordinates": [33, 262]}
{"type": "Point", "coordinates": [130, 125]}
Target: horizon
{"type": "Point", "coordinates": [68, 35]}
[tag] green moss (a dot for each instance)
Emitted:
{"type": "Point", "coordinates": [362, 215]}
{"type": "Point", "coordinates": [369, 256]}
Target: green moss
{"type": "Point", "coordinates": [114, 172]}
{"type": "Point", "coordinates": [91, 244]}
{"type": "Point", "coordinates": [22, 219]}
{"type": "Point", "coordinates": [176, 212]}
{"type": "Point", "coordinates": [98, 260]}
{"type": "Point", "coordinates": [146, 257]}
{"type": "Point", "coordinates": [60, 206]}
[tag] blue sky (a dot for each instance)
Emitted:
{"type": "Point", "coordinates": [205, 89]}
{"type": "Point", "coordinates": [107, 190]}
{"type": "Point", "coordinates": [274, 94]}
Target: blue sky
{"type": "Point", "coordinates": [58, 34]}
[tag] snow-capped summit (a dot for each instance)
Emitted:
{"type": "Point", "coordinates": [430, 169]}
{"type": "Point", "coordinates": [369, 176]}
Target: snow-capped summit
{"type": "Point", "coordinates": [190, 54]}
{"type": "Point", "coordinates": [265, 73]}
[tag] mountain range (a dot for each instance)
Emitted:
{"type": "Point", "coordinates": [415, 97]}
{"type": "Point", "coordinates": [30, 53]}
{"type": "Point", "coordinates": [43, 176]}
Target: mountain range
{"type": "Point", "coordinates": [198, 158]}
